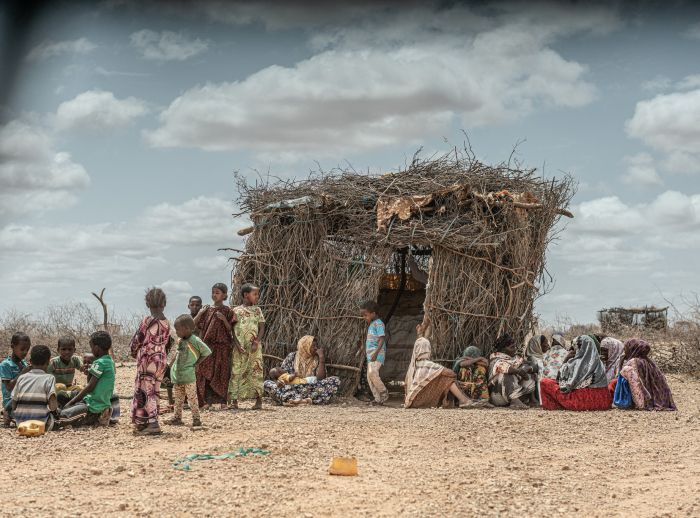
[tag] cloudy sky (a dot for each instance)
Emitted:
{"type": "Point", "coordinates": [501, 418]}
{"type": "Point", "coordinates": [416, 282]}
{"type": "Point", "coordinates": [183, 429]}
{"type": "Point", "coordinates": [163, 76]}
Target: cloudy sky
{"type": "Point", "coordinates": [120, 136]}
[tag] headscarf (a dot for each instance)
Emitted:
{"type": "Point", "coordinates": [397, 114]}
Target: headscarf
{"type": "Point", "coordinates": [657, 393]}
{"type": "Point", "coordinates": [558, 338]}
{"type": "Point", "coordinates": [615, 350]}
{"type": "Point", "coordinates": [534, 348]}
{"type": "Point", "coordinates": [585, 370]}
{"type": "Point", "coordinates": [305, 363]}
{"type": "Point", "coordinates": [471, 351]}
{"type": "Point", "coordinates": [595, 341]}
{"type": "Point", "coordinates": [421, 370]}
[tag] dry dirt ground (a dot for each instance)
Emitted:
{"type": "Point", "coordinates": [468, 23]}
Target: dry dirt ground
{"type": "Point", "coordinates": [412, 463]}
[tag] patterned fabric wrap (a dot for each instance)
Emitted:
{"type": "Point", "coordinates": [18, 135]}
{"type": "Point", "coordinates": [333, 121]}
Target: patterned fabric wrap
{"type": "Point", "coordinates": [247, 368]}
{"type": "Point", "coordinates": [615, 349]}
{"type": "Point", "coordinates": [656, 393]}
{"type": "Point", "coordinates": [214, 371]}
{"type": "Point", "coordinates": [148, 347]}
{"type": "Point", "coordinates": [585, 369]}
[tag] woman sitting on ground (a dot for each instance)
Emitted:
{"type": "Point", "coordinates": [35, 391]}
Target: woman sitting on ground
{"type": "Point", "coordinates": [472, 373]}
{"type": "Point", "coordinates": [427, 383]}
{"type": "Point", "coordinates": [554, 358]}
{"type": "Point", "coordinates": [308, 360]}
{"type": "Point", "coordinates": [535, 349]}
{"type": "Point", "coordinates": [648, 385]}
{"type": "Point", "coordinates": [611, 351]}
{"type": "Point", "coordinates": [511, 380]}
{"type": "Point", "coordinates": [582, 385]}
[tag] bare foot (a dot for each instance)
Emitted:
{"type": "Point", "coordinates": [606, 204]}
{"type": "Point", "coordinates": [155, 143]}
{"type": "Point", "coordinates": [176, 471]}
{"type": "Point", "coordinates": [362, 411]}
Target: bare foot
{"type": "Point", "coordinates": [233, 405]}
{"type": "Point", "coordinates": [223, 406]}
{"type": "Point", "coordinates": [258, 404]}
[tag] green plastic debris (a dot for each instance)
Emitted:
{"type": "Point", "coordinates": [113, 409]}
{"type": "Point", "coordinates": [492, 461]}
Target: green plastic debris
{"type": "Point", "coordinates": [183, 464]}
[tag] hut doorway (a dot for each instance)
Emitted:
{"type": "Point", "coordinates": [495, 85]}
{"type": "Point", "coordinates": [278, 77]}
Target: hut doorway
{"type": "Point", "coordinates": [401, 298]}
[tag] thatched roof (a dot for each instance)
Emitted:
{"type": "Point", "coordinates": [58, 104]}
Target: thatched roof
{"type": "Point", "coordinates": [321, 245]}
{"type": "Point", "coordinates": [449, 199]}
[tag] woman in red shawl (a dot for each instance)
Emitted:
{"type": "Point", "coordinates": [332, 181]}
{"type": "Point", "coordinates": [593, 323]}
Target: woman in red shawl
{"type": "Point", "coordinates": [648, 386]}
{"type": "Point", "coordinates": [214, 324]}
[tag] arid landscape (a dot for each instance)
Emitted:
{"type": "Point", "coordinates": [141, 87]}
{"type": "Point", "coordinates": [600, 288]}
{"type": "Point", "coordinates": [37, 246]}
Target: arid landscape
{"type": "Point", "coordinates": [411, 462]}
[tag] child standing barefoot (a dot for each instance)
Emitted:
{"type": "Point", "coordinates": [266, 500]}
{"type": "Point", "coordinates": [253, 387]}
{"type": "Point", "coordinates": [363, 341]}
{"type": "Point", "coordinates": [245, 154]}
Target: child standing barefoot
{"type": "Point", "coordinates": [214, 324]}
{"type": "Point", "coordinates": [190, 352]}
{"type": "Point", "coordinates": [247, 372]}
{"type": "Point", "coordinates": [149, 346]}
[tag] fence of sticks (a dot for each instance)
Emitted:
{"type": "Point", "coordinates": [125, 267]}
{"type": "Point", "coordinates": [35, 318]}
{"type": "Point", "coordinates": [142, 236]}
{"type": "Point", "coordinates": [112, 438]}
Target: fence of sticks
{"type": "Point", "coordinates": [320, 246]}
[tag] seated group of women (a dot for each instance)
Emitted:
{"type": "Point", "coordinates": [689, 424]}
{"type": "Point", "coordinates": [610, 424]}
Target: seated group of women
{"type": "Point", "coordinates": [583, 377]}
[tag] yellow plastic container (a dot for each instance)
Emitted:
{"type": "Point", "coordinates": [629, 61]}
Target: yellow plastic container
{"type": "Point", "coordinates": [32, 428]}
{"type": "Point", "coordinates": [343, 466]}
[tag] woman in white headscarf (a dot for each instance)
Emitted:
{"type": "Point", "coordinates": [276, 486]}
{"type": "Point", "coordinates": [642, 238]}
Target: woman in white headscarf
{"type": "Point", "coordinates": [428, 383]}
{"type": "Point", "coordinates": [611, 352]}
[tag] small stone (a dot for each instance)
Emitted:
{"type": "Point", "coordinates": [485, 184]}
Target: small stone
{"type": "Point", "coordinates": [95, 471]}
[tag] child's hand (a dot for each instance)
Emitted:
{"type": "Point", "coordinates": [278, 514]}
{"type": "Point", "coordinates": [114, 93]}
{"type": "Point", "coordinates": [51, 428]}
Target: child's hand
{"type": "Point", "coordinates": [254, 345]}
{"type": "Point", "coordinates": [203, 310]}
{"type": "Point", "coordinates": [221, 316]}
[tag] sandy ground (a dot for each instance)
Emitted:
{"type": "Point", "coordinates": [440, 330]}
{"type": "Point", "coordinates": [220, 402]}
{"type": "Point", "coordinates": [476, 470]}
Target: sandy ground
{"type": "Point", "coordinates": [412, 463]}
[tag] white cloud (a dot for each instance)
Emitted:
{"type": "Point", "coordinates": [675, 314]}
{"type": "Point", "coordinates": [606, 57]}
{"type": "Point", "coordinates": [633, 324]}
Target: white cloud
{"type": "Point", "coordinates": [641, 170]}
{"type": "Point", "coordinates": [167, 45]}
{"type": "Point", "coordinates": [689, 82]}
{"type": "Point", "coordinates": [215, 263]}
{"type": "Point", "coordinates": [157, 244]}
{"type": "Point", "coordinates": [391, 81]}
{"type": "Point", "coordinates": [176, 286]}
{"type": "Point", "coordinates": [98, 110]}
{"type": "Point", "coordinates": [669, 123]}
{"type": "Point", "coordinates": [34, 177]}
{"type": "Point", "coordinates": [656, 83]}
{"type": "Point", "coordinates": [49, 49]}
{"type": "Point", "coordinates": [609, 236]}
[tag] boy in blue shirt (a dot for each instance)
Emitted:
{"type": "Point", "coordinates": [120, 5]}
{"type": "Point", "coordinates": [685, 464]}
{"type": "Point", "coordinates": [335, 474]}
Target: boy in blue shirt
{"type": "Point", "coordinates": [11, 368]}
{"type": "Point", "coordinates": [375, 349]}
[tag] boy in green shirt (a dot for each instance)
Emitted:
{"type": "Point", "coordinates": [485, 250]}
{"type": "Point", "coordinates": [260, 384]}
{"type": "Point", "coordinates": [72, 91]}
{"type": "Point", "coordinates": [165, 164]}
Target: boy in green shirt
{"type": "Point", "coordinates": [93, 404]}
{"type": "Point", "coordinates": [190, 352]}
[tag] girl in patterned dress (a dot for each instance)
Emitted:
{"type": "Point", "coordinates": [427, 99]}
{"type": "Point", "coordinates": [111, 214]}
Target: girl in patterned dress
{"type": "Point", "coordinates": [247, 370]}
{"type": "Point", "coordinates": [215, 324]}
{"type": "Point", "coordinates": [148, 346]}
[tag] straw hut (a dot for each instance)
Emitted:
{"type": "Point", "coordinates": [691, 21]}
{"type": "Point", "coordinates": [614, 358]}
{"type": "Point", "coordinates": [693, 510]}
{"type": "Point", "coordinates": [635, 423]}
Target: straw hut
{"type": "Point", "coordinates": [445, 240]}
{"type": "Point", "coordinates": [647, 317]}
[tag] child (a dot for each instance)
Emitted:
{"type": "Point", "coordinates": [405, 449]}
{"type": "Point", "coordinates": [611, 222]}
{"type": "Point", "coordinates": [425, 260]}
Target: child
{"type": "Point", "coordinates": [34, 395]}
{"type": "Point", "coordinates": [150, 346]}
{"type": "Point", "coordinates": [12, 367]}
{"type": "Point", "coordinates": [375, 349]}
{"type": "Point", "coordinates": [215, 324]}
{"type": "Point", "coordinates": [190, 352]}
{"type": "Point", "coordinates": [277, 374]}
{"type": "Point", "coordinates": [247, 371]}
{"type": "Point", "coordinates": [63, 368]}
{"type": "Point", "coordinates": [195, 306]}
{"type": "Point", "coordinates": [93, 404]}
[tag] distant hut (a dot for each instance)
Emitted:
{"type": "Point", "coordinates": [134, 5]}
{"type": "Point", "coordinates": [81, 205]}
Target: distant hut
{"type": "Point", "coordinates": [447, 240]}
{"type": "Point", "coordinates": [649, 317]}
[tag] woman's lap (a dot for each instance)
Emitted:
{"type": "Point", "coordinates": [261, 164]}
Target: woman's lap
{"type": "Point", "coordinates": [586, 399]}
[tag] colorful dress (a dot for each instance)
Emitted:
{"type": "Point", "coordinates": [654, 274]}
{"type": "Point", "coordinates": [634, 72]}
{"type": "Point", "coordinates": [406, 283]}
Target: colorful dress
{"type": "Point", "coordinates": [148, 347]}
{"type": "Point", "coordinates": [552, 361]}
{"type": "Point", "coordinates": [214, 371]}
{"type": "Point", "coordinates": [247, 370]}
{"type": "Point", "coordinates": [301, 363]}
{"type": "Point", "coordinates": [472, 379]}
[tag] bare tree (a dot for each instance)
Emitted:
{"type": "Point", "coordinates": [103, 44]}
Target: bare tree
{"type": "Point", "coordinates": [101, 300]}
